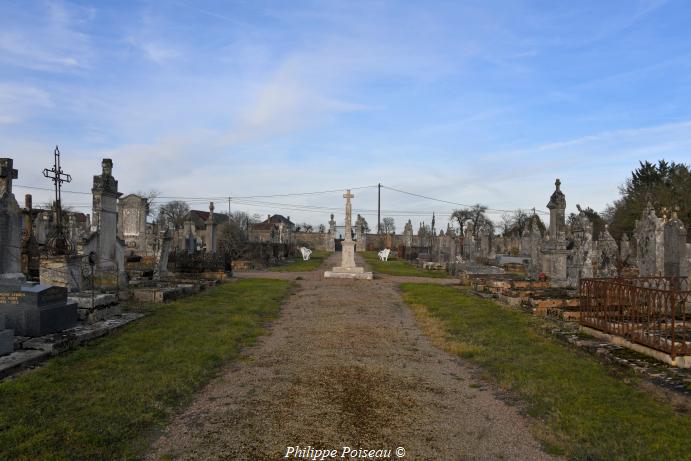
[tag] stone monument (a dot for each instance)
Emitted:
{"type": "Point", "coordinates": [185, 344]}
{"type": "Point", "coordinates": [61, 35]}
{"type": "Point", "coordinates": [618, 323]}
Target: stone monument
{"type": "Point", "coordinates": [103, 240]}
{"type": "Point", "coordinates": [348, 269]}
{"type": "Point", "coordinates": [554, 252]}
{"type": "Point", "coordinates": [30, 309]}
{"type": "Point", "coordinates": [10, 225]}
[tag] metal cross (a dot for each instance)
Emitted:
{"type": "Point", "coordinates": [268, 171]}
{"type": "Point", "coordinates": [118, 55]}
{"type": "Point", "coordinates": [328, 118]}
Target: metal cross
{"type": "Point", "coordinates": [58, 177]}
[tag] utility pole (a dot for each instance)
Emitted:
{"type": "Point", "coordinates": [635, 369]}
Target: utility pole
{"type": "Point", "coordinates": [379, 209]}
{"type": "Point", "coordinates": [229, 209]}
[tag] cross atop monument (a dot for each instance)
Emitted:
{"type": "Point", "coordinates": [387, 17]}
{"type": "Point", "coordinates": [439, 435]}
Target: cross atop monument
{"type": "Point", "coordinates": [7, 174]}
{"type": "Point", "coordinates": [557, 183]}
{"type": "Point", "coordinates": [57, 243]}
{"type": "Point", "coordinates": [348, 195]}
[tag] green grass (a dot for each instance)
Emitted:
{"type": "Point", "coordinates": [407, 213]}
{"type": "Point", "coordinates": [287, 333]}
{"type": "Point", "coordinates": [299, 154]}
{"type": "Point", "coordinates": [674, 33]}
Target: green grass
{"type": "Point", "coordinates": [106, 400]}
{"type": "Point", "coordinates": [398, 267]}
{"type": "Point", "coordinates": [587, 410]}
{"type": "Point", "coordinates": [316, 260]}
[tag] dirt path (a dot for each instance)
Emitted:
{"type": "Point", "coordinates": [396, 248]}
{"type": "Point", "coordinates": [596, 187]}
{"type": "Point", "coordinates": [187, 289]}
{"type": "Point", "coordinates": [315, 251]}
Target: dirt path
{"type": "Point", "coordinates": [346, 365]}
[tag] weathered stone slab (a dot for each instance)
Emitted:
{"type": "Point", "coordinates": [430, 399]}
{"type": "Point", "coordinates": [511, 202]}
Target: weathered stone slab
{"type": "Point", "coordinates": [37, 310]}
{"type": "Point", "coordinates": [348, 275]}
{"type": "Point", "coordinates": [36, 350]}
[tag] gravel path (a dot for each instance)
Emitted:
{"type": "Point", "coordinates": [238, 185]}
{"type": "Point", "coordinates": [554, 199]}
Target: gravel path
{"type": "Point", "coordinates": [346, 365]}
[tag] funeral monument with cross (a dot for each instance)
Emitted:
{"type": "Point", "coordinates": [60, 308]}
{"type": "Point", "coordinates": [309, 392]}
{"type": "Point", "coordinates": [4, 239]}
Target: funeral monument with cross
{"type": "Point", "coordinates": [348, 269]}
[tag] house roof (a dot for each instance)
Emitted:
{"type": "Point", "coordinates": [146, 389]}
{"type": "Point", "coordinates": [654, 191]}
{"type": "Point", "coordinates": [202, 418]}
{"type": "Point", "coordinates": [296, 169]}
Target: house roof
{"type": "Point", "coordinates": [278, 219]}
{"type": "Point", "coordinates": [204, 216]}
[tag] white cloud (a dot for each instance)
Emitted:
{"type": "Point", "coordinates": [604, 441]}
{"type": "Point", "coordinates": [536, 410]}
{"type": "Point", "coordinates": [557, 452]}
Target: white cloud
{"type": "Point", "coordinates": [19, 102]}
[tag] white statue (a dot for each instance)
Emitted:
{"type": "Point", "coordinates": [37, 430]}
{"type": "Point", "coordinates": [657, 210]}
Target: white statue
{"type": "Point", "coordinates": [384, 254]}
{"type": "Point", "coordinates": [306, 252]}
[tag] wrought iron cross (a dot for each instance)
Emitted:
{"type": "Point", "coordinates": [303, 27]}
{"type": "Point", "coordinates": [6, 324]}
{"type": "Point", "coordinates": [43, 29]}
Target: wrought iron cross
{"type": "Point", "coordinates": [58, 177]}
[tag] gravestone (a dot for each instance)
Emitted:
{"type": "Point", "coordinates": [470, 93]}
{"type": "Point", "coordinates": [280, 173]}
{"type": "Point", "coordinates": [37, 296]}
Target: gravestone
{"type": "Point", "coordinates": [408, 234]}
{"type": "Point", "coordinates": [212, 240]}
{"type": "Point", "coordinates": [162, 253]}
{"type": "Point", "coordinates": [10, 225]}
{"type": "Point", "coordinates": [103, 240]}
{"type": "Point", "coordinates": [625, 250]}
{"type": "Point", "coordinates": [348, 269]}
{"type": "Point", "coordinates": [554, 252]}
{"type": "Point", "coordinates": [675, 248]}
{"type": "Point", "coordinates": [650, 243]}
{"type": "Point", "coordinates": [580, 263]}
{"type": "Point", "coordinates": [607, 254]}
{"type": "Point", "coordinates": [132, 212]}
{"type": "Point", "coordinates": [29, 309]}
{"type": "Point", "coordinates": [331, 235]}
{"type": "Point", "coordinates": [30, 251]}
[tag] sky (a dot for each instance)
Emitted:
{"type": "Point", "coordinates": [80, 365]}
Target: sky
{"type": "Point", "coordinates": [465, 101]}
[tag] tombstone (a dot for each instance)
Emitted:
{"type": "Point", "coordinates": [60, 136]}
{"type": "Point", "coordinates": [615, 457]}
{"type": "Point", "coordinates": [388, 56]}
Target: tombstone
{"type": "Point", "coordinates": [348, 268]}
{"type": "Point", "coordinates": [554, 252]}
{"type": "Point", "coordinates": [580, 261]}
{"type": "Point", "coordinates": [10, 225]}
{"type": "Point", "coordinates": [408, 234]}
{"type": "Point", "coordinates": [360, 243]}
{"type": "Point", "coordinates": [132, 212]}
{"type": "Point", "coordinates": [650, 243]}
{"type": "Point", "coordinates": [162, 253]}
{"type": "Point", "coordinates": [211, 231]}
{"type": "Point", "coordinates": [607, 254]}
{"type": "Point", "coordinates": [103, 240]}
{"type": "Point", "coordinates": [625, 250]}
{"type": "Point", "coordinates": [331, 235]}
{"type": "Point", "coordinates": [31, 256]}
{"type": "Point", "coordinates": [535, 245]}
{"type": "Point", "coordinates": [675, 248]}
{"type": "Point", "coordinates": [29, 309]}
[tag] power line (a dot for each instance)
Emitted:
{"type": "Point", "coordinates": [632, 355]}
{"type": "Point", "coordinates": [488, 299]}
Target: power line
{"type": "Point", "coordinates": [455, 203]}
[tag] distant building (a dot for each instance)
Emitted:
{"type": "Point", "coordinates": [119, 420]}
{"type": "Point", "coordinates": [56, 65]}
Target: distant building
{"type": "Point", "coordinates": [275, 229]}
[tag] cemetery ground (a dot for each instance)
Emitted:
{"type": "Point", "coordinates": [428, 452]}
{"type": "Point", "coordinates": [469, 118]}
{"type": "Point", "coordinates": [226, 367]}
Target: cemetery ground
{"type": "Point", "coordinates": [317, 258]}
{"type": "Point", "coordinates": [102, 401]}
{"type": "Point", "coordinates": [398, 267]}
{"type": "Point", "coordinates": [368, 364]}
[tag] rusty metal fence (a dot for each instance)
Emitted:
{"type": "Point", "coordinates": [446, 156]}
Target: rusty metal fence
{"type": "Point", "coordinates": [652, 311]}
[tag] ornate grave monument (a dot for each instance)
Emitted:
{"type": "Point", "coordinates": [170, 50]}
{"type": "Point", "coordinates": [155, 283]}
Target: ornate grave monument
{"type": "Point", "coordinates": [348, 269]}
{"type": "Point", "coordinates": [30, 309]}
{"type": "Point", "coordinates": [554, 250]}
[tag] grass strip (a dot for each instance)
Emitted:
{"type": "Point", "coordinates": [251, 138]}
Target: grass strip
{"type": "Point", "coordinates": [399, 267]}
{"type": "Point", "coordinates": [587, 410]}
{"type": "Point", "coordinates": [299, 265]}
{"type": "Point", "coordinates": [105, 400]}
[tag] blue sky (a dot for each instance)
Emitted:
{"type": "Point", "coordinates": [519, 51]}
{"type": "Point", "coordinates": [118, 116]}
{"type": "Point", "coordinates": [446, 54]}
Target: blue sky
{"type": "Point", "coordinates": [485, 101]}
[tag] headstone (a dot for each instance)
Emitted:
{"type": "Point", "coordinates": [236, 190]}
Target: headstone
{"type": "Point", "coordinates": [650, 243]}
{"type": "Point", "coordinates": [10, 225]}
{"type": "Point", "coordinates": [675, 248]}
{"type": "Point", "coordinates": [607, 254]}
{"type": "Point", "coordinates": [211, 230]}
{"type": "Point", "coordinates": [581, 263]}
{"type": "Point", "coordinates": [132, 212]}
{"type": "Point", "coordinates": [554, 252]}
{"type": "Point", "coordinates": [103, 240]}
{"type": "Point", "coordinates": [162, 253]}
{"type": "Point", "coordinates": [408, 234]}
{"type": "Point", "coordinates": [348, 268]}
{"type": "Point", "coordinates": [28, 309]}
{"type": "Point", "coordinates": [331, 235]}
{"type": "Point", "coordinates": [625, 250]}
{"type": "Point", "coordinates": [30, 250]}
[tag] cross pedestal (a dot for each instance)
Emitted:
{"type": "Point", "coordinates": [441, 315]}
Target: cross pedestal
{"type": "Point", "coordinates": [348, 269]}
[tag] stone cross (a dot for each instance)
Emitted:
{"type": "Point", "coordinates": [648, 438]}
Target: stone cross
{"type": "Point", "coordinates": [348, 215]}
{"type": "Point", "coordinates": [7, 174]}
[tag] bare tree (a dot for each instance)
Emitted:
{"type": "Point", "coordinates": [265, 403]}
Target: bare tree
{"type": "Point", "coordinates": [173, 213]}
{"type": "Point", "coordinates": [388, 226]}
{"type": "Point", "coordinates": [305, 227]}
{"type": "Point", "coordinates": [321, 228]}
{"type": "Point", "coordinates": [151, 199]}
{"type": "Point", "coordinates": [475, 214]}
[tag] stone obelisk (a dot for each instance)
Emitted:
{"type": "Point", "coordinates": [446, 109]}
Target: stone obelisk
{"type": "Point", "coordinates": [348, 269]}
